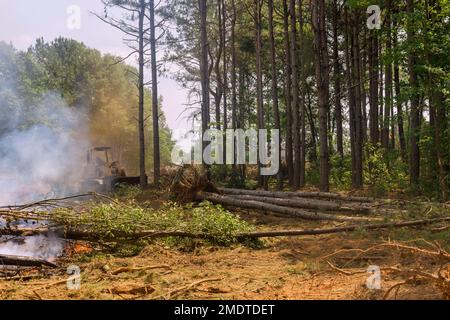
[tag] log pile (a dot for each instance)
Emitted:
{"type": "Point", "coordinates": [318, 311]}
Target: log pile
{"type": "Point", "coordinates": [287, 207]}
{"type": "Point", "coordinates": [191, 183]}
{"type": "Point", "coordinates": [301, 204]}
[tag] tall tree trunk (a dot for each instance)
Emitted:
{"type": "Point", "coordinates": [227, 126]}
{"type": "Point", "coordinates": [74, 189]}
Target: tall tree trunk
{"type": "Point", "coordinates": [288, 94]}
{"type": "Point", "coordinates": [357, 111]}
{"type": "Point", "coordinates": [218, 73]}
{"type": "Point", "coordinates": [275, 107]}
{"type": "Point", "coordinates": [295, 96]}
{"type": "Point", "coordinates": [414, 159]}
{"type": "Point", "coordinates": [312, 126]}
{"type": "Point", "coordinates": [437, 103]}
{"type": "Point", "coordinates": [322, 78]}
{"type": "Point", "coordinates": [373, 87]}
{"type": "Point", "coordinates": [204, 69]}
{"type": "Point", "coordinates": [240, 120]}
{"type": "Point", "coordinates": [355, 108]}
{"type": "Point", "coordinates": [155, 106]}
{"type": "Point", "coordinates": [233, 76]}
{"type": "Point", "coordinates": [302, 84]}
{"type": "Point", "coordinates": [438, 100]}
{"type": "Point", "coordinates": [398, 99]}
{"type": "Point", "coordinates": [392, 144]}
{"type": "Point", "coordinates": [351, 93]}
{"type": "Point", "coordinates": [259, 82]}
{"type": "Point", "coordinates": [381, 90]}
{"type": "Point", "coordinates": [337, 82]}
{"type": "Point", "coordinates": [362, 76]}
{"type": "Point", "coordinates": [225, 76]}
{"type": "Point", "coordinates": [142, 171]}
{"type": "Point", "coordinates": [388, 82]}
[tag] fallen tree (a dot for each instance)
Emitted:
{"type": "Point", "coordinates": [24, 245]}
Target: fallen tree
{"type": "Point", "coordinates": [258, 205]}
{"type": "Point", "coordinates": [83, 235]}
{"type": "Point", "coordinates": [304, 203]}
{"type": "Point", "coordinates": [311, 232]}
{"type": "Point", "coordinates": [298, 194]}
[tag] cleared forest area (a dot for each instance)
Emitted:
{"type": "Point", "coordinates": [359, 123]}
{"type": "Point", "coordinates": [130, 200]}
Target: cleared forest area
{"type": "Point", "coordinates": [138, 245]}
{"type": "Point", "coordinates": [315, 164]}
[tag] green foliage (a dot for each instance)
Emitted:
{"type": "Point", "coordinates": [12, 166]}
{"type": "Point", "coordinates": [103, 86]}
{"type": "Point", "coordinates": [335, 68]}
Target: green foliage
{"type": "Point", "coordinates": [224, 175]}
{"type": "Point", "coordinates": [218, 222]}
{"type": "Point", "coordinates": [383, 172]}
{"type": "Point", "coordinates": [341, 172]}
{"type": "Point", "coordinates": [219, 173]}
{"type": "Point", "coordinates": [376, 173]}
{"type": "Point", "coordinates": [120, 222]}
{"type": "Point", "coordinates": [129, 249]}
{"type": "Point", "coordinates": [313, 174]}
{"type": "Point", "coordinates": [429, 184]}
{"type": "Point", "coordinates": [126, 191]}
{"type": "Point", "coordinates": [236, 180]}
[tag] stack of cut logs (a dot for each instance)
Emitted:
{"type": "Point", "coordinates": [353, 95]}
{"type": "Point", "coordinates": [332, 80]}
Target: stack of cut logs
{"type": "Point", "coordinates": [300, 204]}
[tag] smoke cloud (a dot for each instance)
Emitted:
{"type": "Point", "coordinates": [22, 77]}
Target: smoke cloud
{"type": "Point", "coordinates": [42, 247]}
{"type": "Point", "coordinates": [42, 148]}
{"type": "Point", "coordinates": [43, 143]}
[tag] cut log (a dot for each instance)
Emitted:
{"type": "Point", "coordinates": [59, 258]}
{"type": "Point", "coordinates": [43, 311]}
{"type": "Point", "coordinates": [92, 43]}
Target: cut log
{"type": "Point", "coordinates": [308, 204]}
{"type": "Point", "coordinates": [300, 194]}
{"type": "Point", "coordinates": [25, 261]}
{"type": "Point", "coordinates": [293, 212]}
{"type": "Point", "coordinates": [311, 232]}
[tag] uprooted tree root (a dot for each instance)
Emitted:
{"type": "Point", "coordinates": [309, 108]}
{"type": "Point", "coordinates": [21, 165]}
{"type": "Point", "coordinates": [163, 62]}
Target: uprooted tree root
{"type": "Point", "coordinates": [188, 181]}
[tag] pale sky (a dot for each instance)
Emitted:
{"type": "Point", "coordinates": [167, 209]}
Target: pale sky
{"type": "Point", "coordinates": [23, 21]}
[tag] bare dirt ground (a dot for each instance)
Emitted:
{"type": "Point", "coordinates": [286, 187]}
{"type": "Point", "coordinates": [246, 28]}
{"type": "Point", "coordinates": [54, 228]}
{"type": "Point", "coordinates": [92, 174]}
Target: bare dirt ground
{"type": "Point", "coordinates": [321, 267]}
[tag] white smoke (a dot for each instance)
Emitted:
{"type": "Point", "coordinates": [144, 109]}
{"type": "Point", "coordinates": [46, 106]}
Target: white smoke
{"type": "Point", "coordinates": [42, 150]}
{"type": "Point", "coordinates": [46, 247]}
{"type": "Point", "coordinates": [43, 143]}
